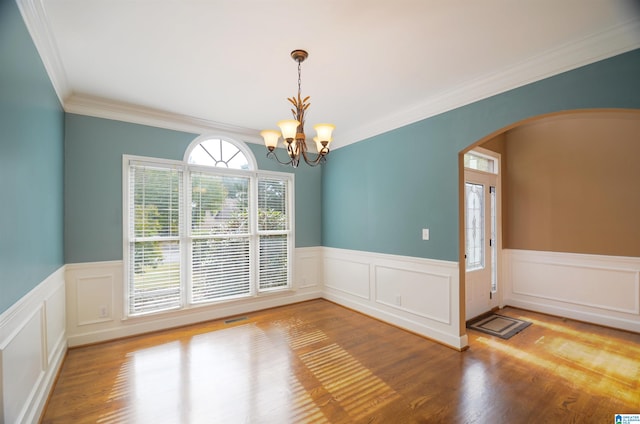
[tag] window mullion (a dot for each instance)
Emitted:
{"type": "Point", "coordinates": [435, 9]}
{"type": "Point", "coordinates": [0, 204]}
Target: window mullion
{"type": "Point", "coordinates": [186, 241]}
{"type": "Point", "coordinates": [290, 232]}
{"type": "Point", "coordinates": [253, 235]}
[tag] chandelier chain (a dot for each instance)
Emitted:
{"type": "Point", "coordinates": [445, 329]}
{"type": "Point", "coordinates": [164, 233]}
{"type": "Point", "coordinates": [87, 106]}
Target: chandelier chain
{"type": "Point", "coordinates": [299, 78]}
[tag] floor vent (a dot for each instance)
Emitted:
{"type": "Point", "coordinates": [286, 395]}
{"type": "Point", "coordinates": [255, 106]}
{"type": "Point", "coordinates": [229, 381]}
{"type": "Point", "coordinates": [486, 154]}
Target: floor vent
{"type": "Point", "coordinates": [231, 320]}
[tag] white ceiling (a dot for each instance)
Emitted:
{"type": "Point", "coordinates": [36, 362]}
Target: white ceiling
{"type": "Point", "coordinates": [374, 65]}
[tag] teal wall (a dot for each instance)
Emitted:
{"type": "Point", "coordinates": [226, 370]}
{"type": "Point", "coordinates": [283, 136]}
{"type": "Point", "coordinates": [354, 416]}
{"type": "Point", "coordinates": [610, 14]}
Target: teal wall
{"type": "Point", "coordinates": [93, 183]}
{"type": "Point", "coordinates": [61, 175]}
{"type": "Point", "coordinates": [379, 193]}
{"type": "Point", "coordinates": [31, 163]}
{"type": "Point", "coordinates": [308, 196]}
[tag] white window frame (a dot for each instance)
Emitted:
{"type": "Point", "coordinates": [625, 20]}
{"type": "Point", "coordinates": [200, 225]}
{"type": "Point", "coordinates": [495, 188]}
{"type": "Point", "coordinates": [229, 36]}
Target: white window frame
{"type": "Point", "coordinates": [241, 146]}
{"type": "Point", "coordinates": [486, 154]}
{"type": "Point", "coordinates": [185, 225]}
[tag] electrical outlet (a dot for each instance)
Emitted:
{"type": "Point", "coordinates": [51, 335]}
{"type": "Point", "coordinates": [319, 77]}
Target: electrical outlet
{"type": "Point", "coordinates": [398, 300]}
{"type": "Point", "coordinates": [103, 311]}
{"type": "Point", "coordinates": [425, 234]}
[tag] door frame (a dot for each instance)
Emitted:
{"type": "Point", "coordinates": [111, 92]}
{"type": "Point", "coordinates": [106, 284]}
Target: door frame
{"type": "Point", "coordinates": [461, 226]}
{"type": "Point", "coordinates": [488, 180]}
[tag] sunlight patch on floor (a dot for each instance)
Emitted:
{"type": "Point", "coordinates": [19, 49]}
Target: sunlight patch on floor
{"type": "Point", "coordinates": [597, 340]}
{"type": "Point", "coordinates": [598, 360]}
{"type": "Point", "coordinates": [358, 391]}
{"type": "Point", "coordinates": [587, 380]}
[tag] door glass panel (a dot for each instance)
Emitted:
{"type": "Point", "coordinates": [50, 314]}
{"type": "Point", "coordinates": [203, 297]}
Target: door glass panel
{"type": "Point", "coordinates": [474, 226]}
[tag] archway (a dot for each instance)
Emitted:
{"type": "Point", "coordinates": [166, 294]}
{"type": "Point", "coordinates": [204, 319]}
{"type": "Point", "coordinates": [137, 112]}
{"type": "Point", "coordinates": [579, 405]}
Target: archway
{"type": "Point", "coordinates": [589, 161]}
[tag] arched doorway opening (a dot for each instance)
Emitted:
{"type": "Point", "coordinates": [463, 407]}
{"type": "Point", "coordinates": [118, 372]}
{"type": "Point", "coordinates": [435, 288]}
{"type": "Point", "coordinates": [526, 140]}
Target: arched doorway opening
{"type": "Point", "coordinates": [568, 187]}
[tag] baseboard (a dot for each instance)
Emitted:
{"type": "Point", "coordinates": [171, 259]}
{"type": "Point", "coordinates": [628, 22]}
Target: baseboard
{"type": "Point", "coordinates": [144, 325]}
{"type": "Point", "coordinates": [455, 342]}
{"type": "Point", "coordinates": [586, 317]}
{"type": "Point", "coordinates": [95, 301]}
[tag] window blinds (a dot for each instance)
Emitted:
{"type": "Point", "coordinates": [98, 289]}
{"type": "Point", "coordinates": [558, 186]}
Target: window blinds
{"type": "Point", "coordinates": [155, 207]}
{"type": "Point", "coordinates": [220, 242]}
{"type": "Point", "coordinates": [198, 235]}
{"type": "Point", "coordinates": [273, 230]}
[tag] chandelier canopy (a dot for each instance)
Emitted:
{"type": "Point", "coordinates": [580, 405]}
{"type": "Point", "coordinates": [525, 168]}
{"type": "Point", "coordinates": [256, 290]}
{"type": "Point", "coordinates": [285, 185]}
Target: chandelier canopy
{"type": "Point", "coordinates": [292, 130]}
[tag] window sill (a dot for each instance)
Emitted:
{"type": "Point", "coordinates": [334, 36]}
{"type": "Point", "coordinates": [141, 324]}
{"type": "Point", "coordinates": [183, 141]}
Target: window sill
{"type": "Point", "coordinates": [208, 306]}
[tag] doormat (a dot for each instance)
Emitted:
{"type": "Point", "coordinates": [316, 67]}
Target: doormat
{"type": "Point", "coordinates": [499, 325]}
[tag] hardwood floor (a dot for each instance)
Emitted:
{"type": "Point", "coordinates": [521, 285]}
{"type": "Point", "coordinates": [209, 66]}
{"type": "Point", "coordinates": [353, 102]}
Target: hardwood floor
{"type": "Point", "coordinates": [316, 362]}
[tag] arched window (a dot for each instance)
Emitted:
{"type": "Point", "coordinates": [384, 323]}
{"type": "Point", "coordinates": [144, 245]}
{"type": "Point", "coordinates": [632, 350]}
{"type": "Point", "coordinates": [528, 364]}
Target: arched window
{"type": "Point", "coordinates": [219, 152]}
{"type": "Point", "coordinates": [209, 228]}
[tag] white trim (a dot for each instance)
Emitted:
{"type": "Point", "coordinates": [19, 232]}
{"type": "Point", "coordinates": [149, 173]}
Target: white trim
{"type": "Point", "coordinates": [110, 109]}
{"type": "Point", "coordinates": [33, 328]}
{"type": "Point", "coordinates": [151, 323]}
{"type": "Point", "coordinates": [28, 302]}
{"type": "Point", "coordinates": [446, 278]}
{"type": "Point", "coordinates": [487, 154]}
{"type": "Point", "coordinates": [614, 41]}
{"type": "Point", "coordinates": [606, 288]}
{"type": "Point", "coordinates": [605, 44]}
{"type": "Point", "coordinates": [185, 238]}
{"type": "Point", "coordinates": [495, 180]}
{"type": "Point", "coordinates": [85, 333]}
{"type": "Point", "coordinates": [438, 277]}
{"type": "Point", "coordinates": [82, 265]}
{"type": "Point", "coordinates": [307, 268]}
{"type": "Point", "coordinates": [349, 267]}
{"type": "Point", "coordinates": [417, 294]}
{"type": "Point", "coordinates": [242, 146]}
{"type": "Point", "coordinates": [37, 23]}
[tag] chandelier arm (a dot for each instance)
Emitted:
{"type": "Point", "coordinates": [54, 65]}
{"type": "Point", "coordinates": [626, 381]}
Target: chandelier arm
{"type": "Point", "coordinates": [313, 162]}
{"type": "Point", "coordinates": [272, 155]}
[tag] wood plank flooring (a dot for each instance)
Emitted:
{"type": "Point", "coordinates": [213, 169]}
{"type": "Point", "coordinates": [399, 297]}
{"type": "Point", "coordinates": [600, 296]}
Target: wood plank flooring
{"type": "Point", "coordinates": [316, 362]}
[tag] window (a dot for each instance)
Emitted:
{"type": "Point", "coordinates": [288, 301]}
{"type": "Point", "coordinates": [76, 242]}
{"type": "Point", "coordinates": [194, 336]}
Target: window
{"type": "Point", "coordinates": [155, 214]}
{"type": "Point", "coordinates": [204, 230]}
{"type": "Point", "coordinates": [218, 152]}
{"type": "Point", "coordinates": [480, 162]}
{"type": "Point", "coordinates": [220, 237]}
{"type": "Point", "coordinates": [474, 226]}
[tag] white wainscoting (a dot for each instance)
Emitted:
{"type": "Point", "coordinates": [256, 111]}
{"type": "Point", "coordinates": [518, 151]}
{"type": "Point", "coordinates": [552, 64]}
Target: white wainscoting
{"type": "Point", "coordinates": [420, 295]}
{"type": "Point", "coordinates": [95, 300]}
{"type": "Point", "coordinates": [602, 290]}
{"type": "Point", "coordinates": [32, 347]}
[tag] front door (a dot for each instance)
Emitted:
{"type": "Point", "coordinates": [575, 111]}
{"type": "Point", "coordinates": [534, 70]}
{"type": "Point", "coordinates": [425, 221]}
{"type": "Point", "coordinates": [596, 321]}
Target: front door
{"type": "Point", "coordinates": [480, 197]}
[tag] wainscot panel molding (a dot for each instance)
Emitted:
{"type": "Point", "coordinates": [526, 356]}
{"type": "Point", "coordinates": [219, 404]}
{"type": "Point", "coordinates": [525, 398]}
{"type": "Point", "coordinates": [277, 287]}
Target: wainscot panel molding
{"type": "Point", "coordinates": [32, 347]}
{"type": "Point", "coordinates": [420, 295]}
{"type": "Point", "coordinates": [602, 290]}
{"type": "Point", "coordinates": [308, 268]}
{"type": "Point", "coordinates": [95, 300]}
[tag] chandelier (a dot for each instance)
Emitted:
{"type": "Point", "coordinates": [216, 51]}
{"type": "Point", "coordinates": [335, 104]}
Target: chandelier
{"type": "Point", "coordinates": [292, 130]}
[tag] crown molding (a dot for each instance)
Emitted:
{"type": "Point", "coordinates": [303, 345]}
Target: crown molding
{"type": "Point", "coordinates": [109, 109]}
{"type": "Point", "coordinates": [35, 19]}
{"type": "Point", "coordinates": [616, 40]}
